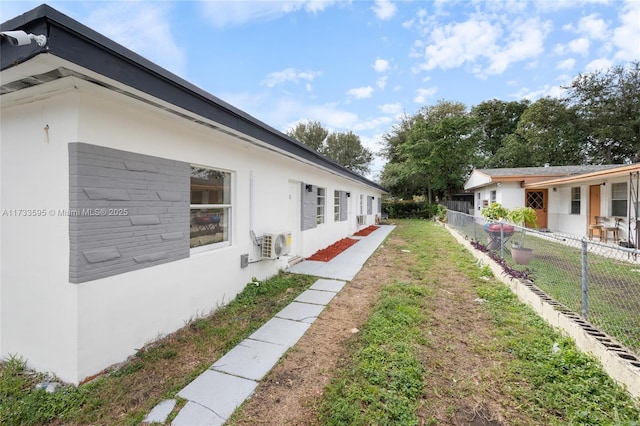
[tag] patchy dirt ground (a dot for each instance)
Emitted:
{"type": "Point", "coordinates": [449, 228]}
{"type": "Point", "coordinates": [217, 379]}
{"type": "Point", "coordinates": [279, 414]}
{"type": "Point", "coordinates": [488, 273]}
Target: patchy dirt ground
{"type": "Point", "coordinates": [462, 369]}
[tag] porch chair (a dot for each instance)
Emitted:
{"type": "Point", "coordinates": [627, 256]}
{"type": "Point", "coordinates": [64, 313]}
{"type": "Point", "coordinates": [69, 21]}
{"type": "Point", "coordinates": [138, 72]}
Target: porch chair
{"type": "Point", "coordinates": [384, 218]}
{"type": "Point", "coordinates": [615, 231]}
{"type": "Point", "coordinates": [598, 225]}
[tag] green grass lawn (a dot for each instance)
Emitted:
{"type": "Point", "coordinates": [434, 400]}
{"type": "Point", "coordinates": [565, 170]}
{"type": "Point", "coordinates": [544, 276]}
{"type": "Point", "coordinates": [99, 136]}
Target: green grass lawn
{"type": "Point", "coordinates": [382, 379]}
{"type": "Point", "coordinates": [381, 383]}
{"type": "Point", "coordinates": [613, 296]}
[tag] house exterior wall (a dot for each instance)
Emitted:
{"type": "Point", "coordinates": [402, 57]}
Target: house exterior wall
{"type": "Point", "coordinates": [560, 217]}
{"type": "Point", "coordinates": [477, 179]}
{"type": "Point", "coordinates": [509, 194]}
{"type": "Point", "coordinates": [38, 306]}
{"type": "Point", "coordinates": [78, 329]}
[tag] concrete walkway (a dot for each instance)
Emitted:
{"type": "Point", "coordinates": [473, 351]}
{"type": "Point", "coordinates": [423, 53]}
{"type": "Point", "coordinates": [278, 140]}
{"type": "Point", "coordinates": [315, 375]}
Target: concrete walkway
{"type": "Point", "coordinates": [214, 395]}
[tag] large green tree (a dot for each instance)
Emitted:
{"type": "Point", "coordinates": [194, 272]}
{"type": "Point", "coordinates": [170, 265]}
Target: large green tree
{"type": "Point", "coordinates": [548, 132]}
{"type": "Point", "coordinates": [609, 104]}
{"type": "Point", "coordinates": [310, 133]}
{"type": "Point", "coordinates": [397, 175]}
{"type": "Point", "coordinates": [496, 119]}
{"type": "Point", "coordinates": [396, 137]}
{"type": "Point", "coordinates": [345, 148]}
{"type": "Point", "coordinates": [439, 148]}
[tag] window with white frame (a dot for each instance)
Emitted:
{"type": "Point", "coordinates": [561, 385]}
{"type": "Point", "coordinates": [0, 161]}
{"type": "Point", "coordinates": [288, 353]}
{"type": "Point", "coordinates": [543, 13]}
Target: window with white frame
{"type": "Point", "coordinates": [493, 197]}
{"type": "Point", "coordinates": [210, 207]}
{"type": "Point", "coordinates": [575, 200]}
{"type": "Point", "coordinates": [336, 206]}
{"type": "Point", "coordinates": [619, 199]}
{"type": "Point", "coordinates": [320, 205]}
{"type": "Point", "coordinates": [361, 204]}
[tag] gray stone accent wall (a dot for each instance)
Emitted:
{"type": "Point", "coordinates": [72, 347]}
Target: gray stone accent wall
{"type": "Point", "coordinates": [309, 200]}
{"type": "Point", "coordinates": [127, 211]}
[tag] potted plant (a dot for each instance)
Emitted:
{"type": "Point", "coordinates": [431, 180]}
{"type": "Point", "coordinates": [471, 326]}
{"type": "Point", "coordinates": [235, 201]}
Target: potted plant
{"type": "Point", "coordinates": [522, 216]}
{"type": "Point", "coordinates": [496, 212]}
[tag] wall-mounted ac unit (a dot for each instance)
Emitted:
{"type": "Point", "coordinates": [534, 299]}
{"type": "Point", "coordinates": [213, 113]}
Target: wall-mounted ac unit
{"type": "Point", "coordinates": [276, 245]}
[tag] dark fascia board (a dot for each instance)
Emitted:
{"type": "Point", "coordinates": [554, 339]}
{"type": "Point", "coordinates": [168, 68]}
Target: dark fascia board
{"type": "Point", "coordinates": [79, 44]}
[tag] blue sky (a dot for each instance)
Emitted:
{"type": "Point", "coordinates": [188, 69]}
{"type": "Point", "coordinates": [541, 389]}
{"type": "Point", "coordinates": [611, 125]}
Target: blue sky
{"type": "Point", "coordinates": [359, 65]}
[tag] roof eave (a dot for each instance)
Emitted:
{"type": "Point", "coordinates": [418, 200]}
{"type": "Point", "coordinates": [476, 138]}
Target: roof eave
{"type": "Point", "coordinates": [600, 174]}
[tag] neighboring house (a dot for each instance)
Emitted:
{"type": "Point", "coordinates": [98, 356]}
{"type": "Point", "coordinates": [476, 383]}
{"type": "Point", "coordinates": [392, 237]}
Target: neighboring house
{"type": "Point", "coordinates": [566, 198]}
{"type": "Point", "coordinates": [133, 201]}
{"type": "Point", "coordinates": [575, 201]}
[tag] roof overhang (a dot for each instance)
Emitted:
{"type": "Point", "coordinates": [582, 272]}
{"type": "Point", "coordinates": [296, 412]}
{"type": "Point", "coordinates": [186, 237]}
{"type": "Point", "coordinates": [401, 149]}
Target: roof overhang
{"type": "Point", "coordinates": [89, 55]}
{"type": "Point", "coordinates": [523, 180]}
{"type": "Point", "coordinates": [593, 176]}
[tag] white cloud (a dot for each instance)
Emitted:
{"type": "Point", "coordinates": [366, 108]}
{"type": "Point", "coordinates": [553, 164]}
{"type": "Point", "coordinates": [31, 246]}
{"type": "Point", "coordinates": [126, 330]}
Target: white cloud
{"type": "Point", "coordinates": [284, 112]}
{"type": "Point", "coordinates": [384, 9]}
{"type": "Point", "coordinates": [232, 13]}
{"type": "Point", "coordinates": [289, 75]}
{"type": "Point", "coordinates": [541, 92]}
{"type": "Point", "coordinates": [579, 46]}
{"type": "Point", "coordinates": [454, 44]}
{"type": "Point", "coordinates": [567, 64]}
{"type": "Point", "coordinates": [391, 109]}
{"type": "Point", "coordinates": [593, 27]}
{"type": "Point", "coordinates": [372, 124]}
{"type": "Point", "coordinates": [477, 41]}
{"type": "Point", "coordinates": [423, 94]}
{"type": "Point", "coordinates": [361, 92]}
{"type": "Point", "coordinates": [626, 37]}
{"type": "Point", "coordinates": [598, 65]}
{"type": "Point", "coordinates": [525, 42]}
{"type": "Point", "coordinates": [330, 115]}
{"type": "Point", "coordinates": [382, 82]}
{"type": "Point", "coordinates": [381, 65]}
{"type": "Point", "coordinates": [142, 27]}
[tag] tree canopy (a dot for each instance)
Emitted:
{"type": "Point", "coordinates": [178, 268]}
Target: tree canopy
{"type": "Point", "coordinates": [608, 103]}
{"type": "Point", "coordinates": [596, 122]}
{"type": "Point", "coordinates": [345, 148]}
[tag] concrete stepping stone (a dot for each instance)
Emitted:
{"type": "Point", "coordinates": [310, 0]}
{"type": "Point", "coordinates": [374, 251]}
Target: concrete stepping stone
{"type": "Point", "coordinates": [304, 312]}
{"type": "Point", "coordinates": [193, 414]}
{"type": "Point", "coordinates": [328, 285]}
{"type": "Point", "coordinates": [251, 359]}
{"type": "Point", "coordinates": [316, 297]}
{"type": "Point", "coordinates": [160, 412]}
{"type": "Point", "coordinates": [219, 393]}
{"type": "Point", "coordinates": [281, 332]}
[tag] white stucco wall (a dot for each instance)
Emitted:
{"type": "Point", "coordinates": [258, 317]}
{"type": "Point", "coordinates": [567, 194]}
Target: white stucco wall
{"type": "Point", "coordinates": [560, 217]}
{"type": "Point", "coordinates": [476, 179]}
{"type": "Point", "coordinates": [38, 305]}
{"type": "Point", "coordinates": [76, 330]}
{"type": "Point", "coordinates": [509, 194]}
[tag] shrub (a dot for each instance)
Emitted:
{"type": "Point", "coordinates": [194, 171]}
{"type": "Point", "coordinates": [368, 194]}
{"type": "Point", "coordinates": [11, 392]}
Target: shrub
{"type": "Point", "coordinates": [409, 209]}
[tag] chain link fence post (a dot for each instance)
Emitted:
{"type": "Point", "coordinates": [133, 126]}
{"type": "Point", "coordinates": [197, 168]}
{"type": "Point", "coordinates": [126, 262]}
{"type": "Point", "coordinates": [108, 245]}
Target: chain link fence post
{"type": "Point", "coordinates": [501, 240]}
{"type": "Point", "coordinates": [585, 301]}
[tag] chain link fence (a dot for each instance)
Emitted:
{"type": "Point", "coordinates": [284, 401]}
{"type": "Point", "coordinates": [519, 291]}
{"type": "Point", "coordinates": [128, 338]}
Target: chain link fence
{"type": "Point", "coordinates": [599, 282]}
